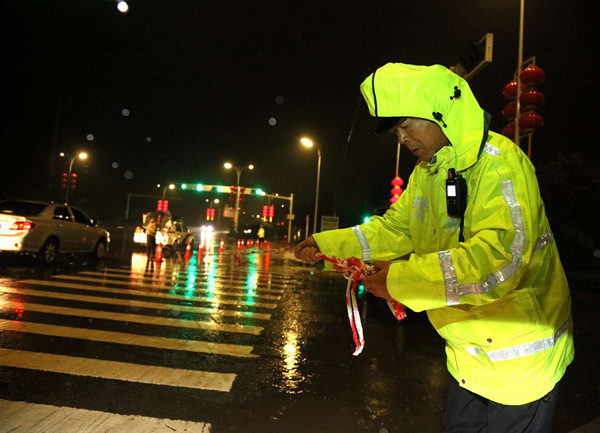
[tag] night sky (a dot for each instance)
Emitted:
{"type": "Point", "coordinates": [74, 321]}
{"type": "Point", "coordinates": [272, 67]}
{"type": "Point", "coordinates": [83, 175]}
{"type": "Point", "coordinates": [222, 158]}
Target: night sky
{"type": "Point", "coordinates": [206, 82]}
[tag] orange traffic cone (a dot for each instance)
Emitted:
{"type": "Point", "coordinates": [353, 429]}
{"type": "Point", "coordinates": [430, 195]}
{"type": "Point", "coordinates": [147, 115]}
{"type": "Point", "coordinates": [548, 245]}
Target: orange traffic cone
{"type": "Point", "coordinates": [158, 254]}
{"type": "Point", "coordinates": [249, 243]}
{"type": "Point", "coordinates": [188, 250]}
{"type": "Point", "coordinates": [221, 245]}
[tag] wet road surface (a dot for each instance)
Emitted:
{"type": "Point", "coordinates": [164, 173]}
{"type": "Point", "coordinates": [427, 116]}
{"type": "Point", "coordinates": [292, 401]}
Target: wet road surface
{"type": "Point", "coordinates": [202, 345]}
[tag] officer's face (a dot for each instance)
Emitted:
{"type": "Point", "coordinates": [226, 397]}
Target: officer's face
{"type": "Point", "coordinates": [422, 137]}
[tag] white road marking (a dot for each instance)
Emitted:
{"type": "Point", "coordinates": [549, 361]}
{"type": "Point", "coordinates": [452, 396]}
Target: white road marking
{"type": "Point", "coordinates": [22, 417]}
{"type": "Point", "coordinates": [114, 370]}
{"type": "Point", "coordinates": [214, 313]}
{"type": "Point", "coordinates": [129, 339]}
{"type": "Point", "coordinates": [215, 300]}
{"type": "Point", "coordinates": [133, 318]}
{"type": "Point", "coordinates": [159, 283]}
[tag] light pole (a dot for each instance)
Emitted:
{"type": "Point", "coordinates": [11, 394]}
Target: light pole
{"type": "Point", "coordinates": [170, 186]}
{"type": "Point", "coordinates": [519, 67]}
{"type": "Point", "coordinates": [238, 170]}
{"type": "Point", "coordinates": [81, 155]}
{"type": "Point", "coordinates": [308, 143]}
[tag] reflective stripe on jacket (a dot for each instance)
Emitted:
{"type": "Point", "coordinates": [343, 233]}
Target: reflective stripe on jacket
{"type": "Point", "coordinates": [500, 299]}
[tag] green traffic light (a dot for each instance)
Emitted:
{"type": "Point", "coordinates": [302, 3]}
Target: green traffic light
{"type": "Point", "coordinates": [199, 187]}
{"type": "Point", "coordinates": [367, 219]}
{"type": "Point", "coordinates": [183, 186]}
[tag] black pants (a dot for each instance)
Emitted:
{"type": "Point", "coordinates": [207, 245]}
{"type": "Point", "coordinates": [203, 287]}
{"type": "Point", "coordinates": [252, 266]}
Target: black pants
{"type": "Point", "coordinates": [467, 412]}
{"type": "Point", "coordinates": [150, 246]}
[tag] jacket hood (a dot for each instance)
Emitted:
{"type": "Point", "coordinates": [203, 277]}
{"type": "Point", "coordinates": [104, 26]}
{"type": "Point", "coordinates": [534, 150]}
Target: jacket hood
{"type": "Point", "coordinates": [433, 93]}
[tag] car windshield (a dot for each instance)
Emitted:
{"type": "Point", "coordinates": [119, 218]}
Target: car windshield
{"type": "Point", "coordinates": [22, 208]}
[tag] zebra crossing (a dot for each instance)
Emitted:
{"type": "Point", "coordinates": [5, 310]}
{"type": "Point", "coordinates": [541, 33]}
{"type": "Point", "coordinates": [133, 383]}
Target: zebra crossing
{"type": "Point", "coordinates": [208, 307]}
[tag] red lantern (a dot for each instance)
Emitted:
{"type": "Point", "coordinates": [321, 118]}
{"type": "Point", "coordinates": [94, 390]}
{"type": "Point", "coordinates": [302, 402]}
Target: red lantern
{"type": "Point", "coordinates": [396, 190]}
{"type": "Point", "coordinates": [510, 90]}
{"type": "Point", "coordinates": [510, 111]}
{"type": "Point", "coordinates": [531, 99]}
{"type": "Point", "coordinates": [532, 76]}
{"type": "Point", "coordinates": [530, 122]}
{"type": "Point", "coordinates": [509, 131]}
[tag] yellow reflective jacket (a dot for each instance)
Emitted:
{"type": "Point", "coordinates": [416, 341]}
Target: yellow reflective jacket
{"type": "Point", "coordinates": [500, 299]}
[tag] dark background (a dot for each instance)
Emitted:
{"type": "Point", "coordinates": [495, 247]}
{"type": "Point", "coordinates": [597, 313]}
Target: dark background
{"type": "Point", "coordinates": [202, 79]}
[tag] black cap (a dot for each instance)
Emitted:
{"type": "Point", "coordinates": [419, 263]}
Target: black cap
{"type": "Point", "coordinates": [387, 123]}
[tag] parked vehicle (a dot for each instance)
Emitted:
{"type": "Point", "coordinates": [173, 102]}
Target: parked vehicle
{"type": "Point", "coordinates": [175, 235]}
{"type": "Point", "coordinates": [47, 229]}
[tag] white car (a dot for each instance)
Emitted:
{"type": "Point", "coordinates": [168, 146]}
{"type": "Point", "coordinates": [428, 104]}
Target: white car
{"type": "Point", "coordinates": [47, 229]}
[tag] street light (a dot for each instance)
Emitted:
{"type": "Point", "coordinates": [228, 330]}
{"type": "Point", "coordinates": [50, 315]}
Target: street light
{"type": "Point", "coordinates": [238, 170]}
{"type": "Point", "coordinates": [81, 155]}
{"type": "Point", "coordinates": [308, 143]}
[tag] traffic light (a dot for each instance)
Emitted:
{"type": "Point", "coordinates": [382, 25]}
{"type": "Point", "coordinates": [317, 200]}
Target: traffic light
{"type": "Point", "coordinates": [232, 193]}
{"type": "Point", "coordinates": [242, 191]}
{"type": "Point", "coordinates": [475, 57]}
{"type": "Point", "coordinates": [210, 214]}
{"type": "Point", "coordinates": [64, 179]}
{"type": "Point", "coordinates": [73, 180]}
{"type": "Point", "coordinates": [396, 190]}
{"type": "Point", "coordinates": [265, 212]}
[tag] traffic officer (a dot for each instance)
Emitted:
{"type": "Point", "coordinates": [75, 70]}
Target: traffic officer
{"type": "Point", "coordinates": [482, 259]}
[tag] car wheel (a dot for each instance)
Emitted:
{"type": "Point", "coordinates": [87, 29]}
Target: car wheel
{"type": "Point", "coordinates": [100, 250]}
{"type": "Point", "coordinates": [49, 251]}
{"type": "Point", "coordinates": [170, 250]}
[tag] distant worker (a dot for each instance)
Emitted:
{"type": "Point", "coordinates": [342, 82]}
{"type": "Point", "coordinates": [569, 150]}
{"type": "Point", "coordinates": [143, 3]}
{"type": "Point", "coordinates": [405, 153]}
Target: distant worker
{"type": "Point", "coordinates": [261, 235]}
{"type": "Point", "coordinates": [153, 226]}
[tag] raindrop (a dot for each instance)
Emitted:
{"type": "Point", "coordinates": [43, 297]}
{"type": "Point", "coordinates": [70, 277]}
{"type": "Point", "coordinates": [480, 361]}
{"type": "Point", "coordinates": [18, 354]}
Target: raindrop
{"type": "Point", "coordinates": [279, 100]}
{"type": "Point", "coordinates": [122, 6]}
{"type": "Point", "coordinates": [115, 165]}
{"type": "Point", "coordinates": [90, 137]}
{"type": "Point", "coordinates": [148, 139]}
{"type": "Point", "coordinates": [128, 174]}
{"type": "Point", "coordinates": [383, 430]}
{"type": "Point", "coordinates": [272, 121]}
{"type": "Point", "coordinates": [125, 112]}
{"type": "Point", "coordinates": [596, 253]}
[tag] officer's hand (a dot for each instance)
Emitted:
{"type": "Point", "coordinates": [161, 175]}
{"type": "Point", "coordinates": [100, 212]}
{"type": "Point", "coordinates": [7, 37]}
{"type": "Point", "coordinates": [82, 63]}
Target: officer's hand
{"type": "Point", "coordinates": [307, 250]}
{"type": "Point", "coordinates": [376, 283]}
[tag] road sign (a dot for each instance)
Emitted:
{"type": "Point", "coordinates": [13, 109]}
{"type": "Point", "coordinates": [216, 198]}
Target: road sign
{"type": "Point", "coordinates": [329, 223]}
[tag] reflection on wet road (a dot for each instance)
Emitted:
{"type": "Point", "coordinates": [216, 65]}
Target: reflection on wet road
{"type": "Point", "coordinates": [186, 324]}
